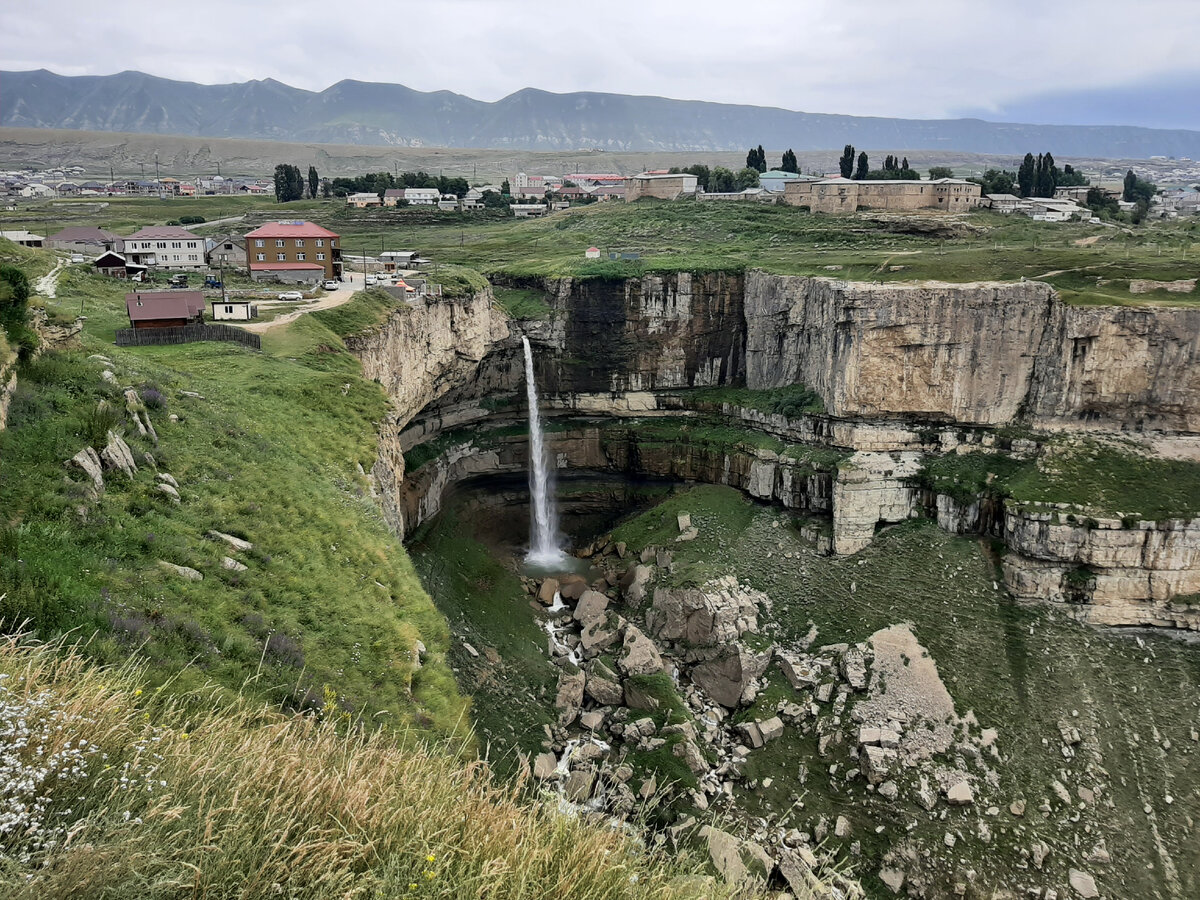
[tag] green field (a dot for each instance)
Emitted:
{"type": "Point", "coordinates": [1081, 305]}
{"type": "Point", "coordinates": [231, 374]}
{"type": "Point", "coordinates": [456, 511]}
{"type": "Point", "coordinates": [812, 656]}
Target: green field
{"type": "Point", "coordinates": [1090, 264]}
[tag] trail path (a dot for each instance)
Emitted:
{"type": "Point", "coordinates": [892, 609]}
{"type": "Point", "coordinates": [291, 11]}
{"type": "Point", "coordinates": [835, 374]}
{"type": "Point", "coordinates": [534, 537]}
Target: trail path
{"type": "Point", "coordinates": [47, 285]}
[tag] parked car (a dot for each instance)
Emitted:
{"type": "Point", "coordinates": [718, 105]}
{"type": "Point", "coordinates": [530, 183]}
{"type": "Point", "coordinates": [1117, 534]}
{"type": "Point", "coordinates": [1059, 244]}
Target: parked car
{"type": "Point", "coordinates": [76, 258]}
{"type": "Point", "coordinates": [331, 285]}
{"type": "Point", "coordinates": [291, 295]}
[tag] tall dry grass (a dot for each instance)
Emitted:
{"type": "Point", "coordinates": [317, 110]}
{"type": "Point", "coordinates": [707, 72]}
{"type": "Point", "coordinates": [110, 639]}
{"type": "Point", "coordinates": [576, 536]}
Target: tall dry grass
{"type": "Point", "coordinates": [149, 797]}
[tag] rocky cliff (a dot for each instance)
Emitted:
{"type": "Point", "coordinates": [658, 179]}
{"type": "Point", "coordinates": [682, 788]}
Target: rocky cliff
{"type": "Point", "coordinates": [904, 371]}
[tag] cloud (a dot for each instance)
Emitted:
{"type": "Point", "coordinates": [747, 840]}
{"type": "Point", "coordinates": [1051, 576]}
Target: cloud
{"type": "Point", "coordinates": [871, 57]}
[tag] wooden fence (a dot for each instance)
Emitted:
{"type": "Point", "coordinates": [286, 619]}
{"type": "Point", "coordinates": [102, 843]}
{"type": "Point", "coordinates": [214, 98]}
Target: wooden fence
{"type": "Point", "coordinates": [187, 334]}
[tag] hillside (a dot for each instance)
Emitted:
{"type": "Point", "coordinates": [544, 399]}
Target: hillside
{"type": "Point", "coordinates": [390, 114]}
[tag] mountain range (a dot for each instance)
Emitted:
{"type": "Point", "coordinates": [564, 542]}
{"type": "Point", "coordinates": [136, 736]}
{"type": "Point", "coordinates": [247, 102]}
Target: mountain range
{"type": "Point", "coordinates": [356, 112]}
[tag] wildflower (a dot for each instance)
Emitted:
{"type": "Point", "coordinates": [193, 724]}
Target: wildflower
{"type": "Point", "coordinates": [430, 875]}
{"type": "Point", "coordinates": [412, 885]}
{"type": "Point", "coordinates": [430, 858]}
{"type": "Point", "coordinates": [184, 735]}
{"type": "Point", "coordinates": [138, 692]}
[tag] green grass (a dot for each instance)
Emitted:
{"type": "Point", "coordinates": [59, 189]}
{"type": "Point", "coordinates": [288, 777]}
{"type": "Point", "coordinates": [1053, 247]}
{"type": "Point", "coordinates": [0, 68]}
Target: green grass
{"type": "Point", "coordinates": [271, 455]}
{"type": "Point", "coordinates": [523, 303]}
{"type": "Point", "coordinates": [793, 400]}
{"type": "Point", "coordinates": [1100, 478]}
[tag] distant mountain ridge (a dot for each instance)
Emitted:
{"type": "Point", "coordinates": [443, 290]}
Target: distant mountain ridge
{"type": "Point", "coordinates": [356, 112]}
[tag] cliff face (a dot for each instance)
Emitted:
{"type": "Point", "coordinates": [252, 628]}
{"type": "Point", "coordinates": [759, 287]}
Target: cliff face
{"type": "Point", "coordinates": [888, 360]}
{"type": "Point", "coordinates": [979, 354]}
{"type": "Point", "coordinates": [419, 354]}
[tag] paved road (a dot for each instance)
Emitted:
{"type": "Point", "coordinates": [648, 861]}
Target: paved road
{"type": "Point", "coordinates": [328, 301]}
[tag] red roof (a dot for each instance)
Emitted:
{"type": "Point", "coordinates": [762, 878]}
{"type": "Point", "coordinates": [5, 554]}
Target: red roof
{"type": "Point", "coordinates": [292, 230]}
{"type": "Point", "coordinates": [284, 266]}
{"type": "Point", "coordinates": [164, 305]}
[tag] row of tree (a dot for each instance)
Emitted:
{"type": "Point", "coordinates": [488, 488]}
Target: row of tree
{"type": "Point", "coordinates": [756, 159]}
{"type": "Point", "coordinates": [290, 184]}
{"type": "Point", "coordinates": [378, 182]}
{"type": "Point", "coordinates": [718, 179]}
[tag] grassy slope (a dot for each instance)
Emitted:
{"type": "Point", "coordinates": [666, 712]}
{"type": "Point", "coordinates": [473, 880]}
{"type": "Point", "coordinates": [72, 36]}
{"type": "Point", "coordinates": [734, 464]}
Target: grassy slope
{"type": "Point", "coordinates": [1009, 664]}
{"type": "Point", "coordinates": [271, 454]}
{"type": "Point", "coordinates": [162, 798]}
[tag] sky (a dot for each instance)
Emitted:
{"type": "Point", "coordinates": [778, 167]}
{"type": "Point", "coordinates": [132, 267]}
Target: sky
{"type": "Point", "coordinates": [1070, 61]}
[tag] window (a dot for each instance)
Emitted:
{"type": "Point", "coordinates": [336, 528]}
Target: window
{"type": "Point", "coordinates": [320, 257]}
{"type": "Point", "coordinates": [230, 246]}
{"type": "Point", "coordinates": [192, 257]}
{"type": "Point", "coordinates": [300, 243]}
{"type": "Point", "coordinates": [261, 257]}
{"type": "Point", "coordinates": [229, 310]}
{"type": "Point", "coordinates": [320, 242]}
{"type": "Point", "coordinates": [161, 245]}
{"type": "Point", "coordinates": [300, 257]}
{"type": "Point", "coordinates": [175, 245]}
{"type": "Point", "coordinates": [258, 243]}
{"type": "Point", "coordinates": [281, 257]}
{"type": "Point", "coordinates": [279, 243]}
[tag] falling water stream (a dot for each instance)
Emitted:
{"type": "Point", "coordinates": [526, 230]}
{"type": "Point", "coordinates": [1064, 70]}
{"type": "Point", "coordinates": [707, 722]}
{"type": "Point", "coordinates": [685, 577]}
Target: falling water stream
{"type": "Point", "coordinates": [544, 551]}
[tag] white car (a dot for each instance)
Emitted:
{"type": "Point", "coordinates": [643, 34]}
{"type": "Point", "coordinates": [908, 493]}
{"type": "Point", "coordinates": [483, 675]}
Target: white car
{"type": "Point", "coordinates": [370, 279]}
{"type": "Point", "coordinates": [331, 285]}
{"type": "Point", "coordinates": [291, 295]}
{"type": "Point", "coordinates": [76, 258]}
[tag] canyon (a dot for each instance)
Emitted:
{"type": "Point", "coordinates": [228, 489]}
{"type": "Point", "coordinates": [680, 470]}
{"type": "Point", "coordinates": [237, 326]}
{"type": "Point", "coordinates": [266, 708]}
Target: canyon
{"type": "Point", "coordinates": [664, 376]}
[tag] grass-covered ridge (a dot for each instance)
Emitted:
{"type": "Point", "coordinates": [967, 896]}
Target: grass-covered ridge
{"type": "Point", "coordinates": [149, 796]}
{"type": "Point", "coordinates": [273, 452]}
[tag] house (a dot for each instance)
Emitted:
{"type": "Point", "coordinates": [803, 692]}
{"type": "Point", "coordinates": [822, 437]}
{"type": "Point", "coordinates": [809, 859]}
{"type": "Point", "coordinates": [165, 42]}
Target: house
{"type": "Point", "coordinates": [1077, 193]}
{"type": "Point", "coordinates": [234, 310]}
{"type": "Point", "coordinates": [393, 196]}
{"type": "Point", "coordinates": [664, 187]}
{"type": "Point", "coordinates": [114, 265]}
{"type": "Point", "coordinates": [37, 190]}
{"type": "Point", "coordinates": [225, 251]}
{"type": "Point", "coordinates": [1004, 203]}
{"type": "Point", "coordinates": [525, 210]}
{"type": "Point", "coordinates": [293, 252]}
{"type": "Point", "coordinates": [24, 238]}
{"type": "Point", "coordinates": [1047, 209]}
{"type": "Point", "coordinates": [842, 195]}
{"type": "Point", "coordinates": [531, 187]}
{"type": "Point", "coordinates": [448, 202]}
{"type": "Point", "coordinates": [422, 196]}
{"type": "Point", "coordinates": [165, 309]}
{"type": "Point", "coordinates": [84, 239]}
{"type": "Point", "coordinates": [165, 247]}
{"type": "Point", "coordinates": [592, 253]}
{"type": "Point", "coordinates": [775, 180]}
{"type": "Point", "coordinates": [392, 260]}
{"type": "Point", "coordinates": [363, 200]}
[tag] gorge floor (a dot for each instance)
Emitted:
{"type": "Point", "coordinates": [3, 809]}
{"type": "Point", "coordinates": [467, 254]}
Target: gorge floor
{"type": "Point", "coordinates": [1129, 788]}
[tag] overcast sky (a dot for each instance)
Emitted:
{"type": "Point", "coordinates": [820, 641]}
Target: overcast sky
{"type": "Point", "coordinates": [921, 58]}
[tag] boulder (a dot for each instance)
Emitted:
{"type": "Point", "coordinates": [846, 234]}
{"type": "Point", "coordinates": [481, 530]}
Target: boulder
{"type": "Point", "coordinates": [580, 783]}
{"type": "Point", "coordinates": [726, 677]}
{"type": "Point", "coordinates": [603, 686]}
{"type": "Point", "coordinates": [893, 879]}
{"type": "Point", "coordinates": [182, 571]}
{"type": "Point", "coordinates": [637, 697]}
{"type": "Point", "coordinates": [876, 763]}
{"type": "Point", "coordinates": [771, 728]}
{"type": "Point", "coordinates": [591, 606]}
{"type": "Point", "coordinates": [633, 584]}
{"type": "Point", "coordinates": [720, 612]}
{"type": "Point", "coordinates": [960, 794]}
{"type": "Point", "coordinates": [639, 655]}
{"type": "Point", "coordinates": [600, 634]}
{"type": "Point", "coordinates": [737, 861]}
{"type": "Point", "coordinates": [690, 535]}
{"type": "Point", "coordinates": [235, 542]}
{"type": "Point", "coordinates": [800, 671]}
{"type": "Point", "coordinates": [854, 668]}
{"type": "Point", "coordinates": [691, 756]}
{"type": "Point", "coordinates": [751, 732]}
{"type": "Point", "coordinates": [648, 788]}
{"type": "Point", "coordinates": [1083, 884]}
{"type": "Point", "coordinates": [117, 455]}
{"type": "Point", "coordinates": [592, 720]}
{"type": "Point", "coordinates": [89, 462]}
{"type": "Point", "coordinates": [569, 698]}
{"type": "Point", "coordinates": [684, 521]}
{"type": "Point", "coordinates": [232, 564]}
{"type": "Point", "coordinates": [169, 491]}
{"type": "Point", "coordinates": [170, 479]}
{"type": "Point", "coordinates": [547, 591]}
{"type": "Point", "coordinates": [571, 587]}
{"type": "Point", "coordinates": [544, 766]}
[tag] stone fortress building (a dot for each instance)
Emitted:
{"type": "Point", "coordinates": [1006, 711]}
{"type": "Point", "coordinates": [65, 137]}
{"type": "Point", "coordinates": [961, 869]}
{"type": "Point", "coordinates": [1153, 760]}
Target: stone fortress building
{"type": "Point", "coordinates": [840, 195]}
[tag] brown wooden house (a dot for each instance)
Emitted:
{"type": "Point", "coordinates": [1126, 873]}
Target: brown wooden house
{"type": "Point", "coordinates": [165, 309]}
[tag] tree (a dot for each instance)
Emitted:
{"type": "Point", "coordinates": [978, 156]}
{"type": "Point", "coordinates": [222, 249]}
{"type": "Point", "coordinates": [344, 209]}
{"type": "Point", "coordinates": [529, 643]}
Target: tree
{"type": "Point", "coordinates": [326, 188]}
{"type": "Point", "coordinates": [756, 159]}
{"type": "Point", "coordinates": [746, 178]}
{"type": "Point", "coordinates": [996, 181]}
{"type": "Point", "coordinates": [492, 200]}
{"type": "Point", "coordinates": [1027, 176]}
{"type": "Point", "coordinates": [289, 183]}
{"type": "Point", "coordinates": [940, 172]}
{"type": "Point", "coordinates": [722, 181]}
{"type": "Point", "coordinates": [846, 163]}
{"type": "Point", "coordinates": [864, 167]}
{"type": "Point", "coordinates": [1130, 184]}
{"type": "Point", "coordinates": [14, 297]}
{"type": "Point", "coordinates": [505, 188]}
{"type": "Point", "coordinates": [1072, 177]}
{"type": "Point", "coordinates": [314, 182]}
{"type": "Point", "coordinates": [789, 163]}
{"type": "Point", "coordinates": [1047, 175]}
{"type": "Point", "coordinates": [1102, 205]}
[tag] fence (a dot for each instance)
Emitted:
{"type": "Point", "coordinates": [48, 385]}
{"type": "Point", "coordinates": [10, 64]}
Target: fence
{"type": "Point", "coordinates": [187, 334]}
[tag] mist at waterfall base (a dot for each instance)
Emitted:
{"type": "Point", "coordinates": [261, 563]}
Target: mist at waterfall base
{"type": "Point", "coordinates": [545, 549]}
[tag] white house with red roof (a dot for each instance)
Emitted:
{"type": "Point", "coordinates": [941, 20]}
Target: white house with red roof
{"type": "Point", "coordinates": [293, 252]}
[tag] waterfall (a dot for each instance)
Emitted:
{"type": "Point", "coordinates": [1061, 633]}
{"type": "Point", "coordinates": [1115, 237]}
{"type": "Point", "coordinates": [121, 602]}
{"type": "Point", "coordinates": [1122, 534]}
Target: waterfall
{"type": "Point", "coordinates": [544, 549]}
